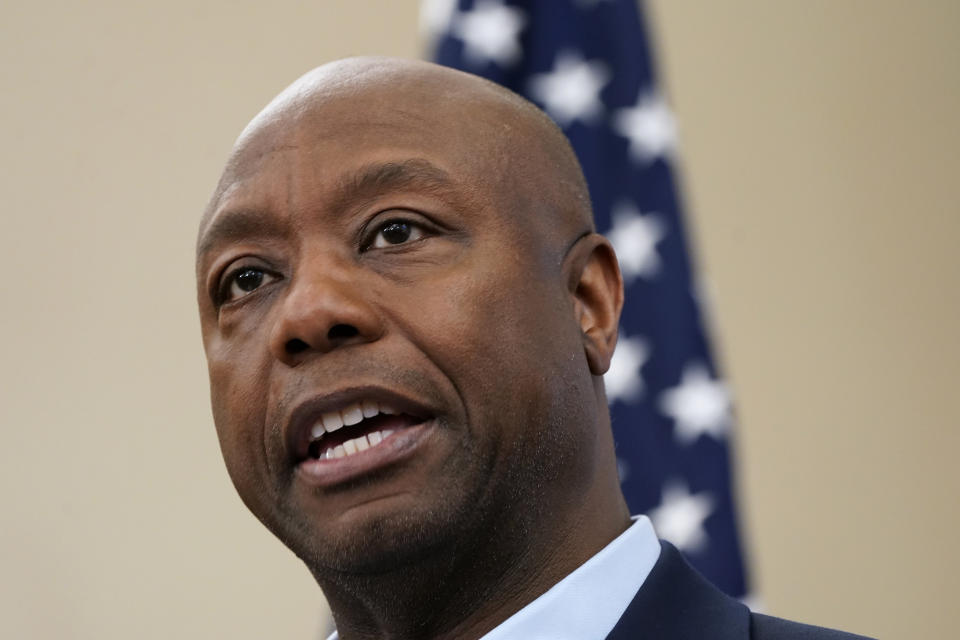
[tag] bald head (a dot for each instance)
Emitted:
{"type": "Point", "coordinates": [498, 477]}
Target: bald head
{"type": "Point", "coordinates": [502, 137]}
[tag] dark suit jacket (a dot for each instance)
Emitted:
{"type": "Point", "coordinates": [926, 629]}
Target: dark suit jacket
{"type": "Point", "coordinates": [677, 603]}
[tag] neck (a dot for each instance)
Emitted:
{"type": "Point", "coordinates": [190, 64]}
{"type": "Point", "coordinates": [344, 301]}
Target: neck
{"type": "Point", "coordinates": [475, 581]}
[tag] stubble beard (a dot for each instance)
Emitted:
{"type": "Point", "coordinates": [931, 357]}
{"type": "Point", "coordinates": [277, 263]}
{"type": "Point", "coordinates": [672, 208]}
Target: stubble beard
{"type": "Point", "coordinates": [432, 564]}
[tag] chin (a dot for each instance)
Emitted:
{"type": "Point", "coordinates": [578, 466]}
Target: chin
{"type": "Point", "coordinates": [368, 542]}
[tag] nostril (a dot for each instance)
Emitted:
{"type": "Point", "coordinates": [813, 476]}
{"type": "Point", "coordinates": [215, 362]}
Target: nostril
{"type": "Point", "coordinates": [337, 335]}
{"type": "Point", "coordinates": [295, 346]}
{"type": "Point", "coordinates": [341, 332]}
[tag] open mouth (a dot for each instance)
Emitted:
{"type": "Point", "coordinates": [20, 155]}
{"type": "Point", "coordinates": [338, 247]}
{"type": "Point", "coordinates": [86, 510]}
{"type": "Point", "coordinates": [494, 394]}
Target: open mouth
{"type": "Point", "coordinates": [355, 428]}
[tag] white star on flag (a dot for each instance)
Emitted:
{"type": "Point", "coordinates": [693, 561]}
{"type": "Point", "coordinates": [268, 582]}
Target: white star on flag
{"type": "Point", "coordinates": [634, 237]}
{"type": "Point", "coordinates": [491, 31]}
{"type": "Point", "coordinates": [622, 380]}
{"type": "Point", "coordinates": [650, 127]}
{"type": "Point", "coordinates": [679, 518]}
{"type": "Point", "coordinates": [699, 405]}
{"type": "Point", "coordinates": [435, 17]}
{"type": "Point", "coordinates": [572, 90]}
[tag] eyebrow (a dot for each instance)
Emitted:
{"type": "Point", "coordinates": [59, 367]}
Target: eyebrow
{"type": "Point", "coordinates": [366, 183]}
{"type": "Point", "coordinates": [377, 178]}
{"type": "Point", "coordinates": [233, 226]}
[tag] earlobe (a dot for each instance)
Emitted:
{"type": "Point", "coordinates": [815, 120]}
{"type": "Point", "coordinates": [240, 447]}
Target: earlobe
{"type": "Point", "coordinates": [597, 288]}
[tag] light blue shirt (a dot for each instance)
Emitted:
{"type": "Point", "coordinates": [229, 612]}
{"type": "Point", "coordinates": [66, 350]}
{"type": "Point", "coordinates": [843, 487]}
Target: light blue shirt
{"type": "Point", "coordinates": [587, 604]}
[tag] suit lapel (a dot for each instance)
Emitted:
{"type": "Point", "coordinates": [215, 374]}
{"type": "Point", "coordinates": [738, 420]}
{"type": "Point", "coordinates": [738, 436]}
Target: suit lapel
{"type": "Point", "coordinates": [677, 603]}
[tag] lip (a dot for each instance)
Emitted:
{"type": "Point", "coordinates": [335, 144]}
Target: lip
{"type": "Point", "coordinates": [307, 413]}
{"type": "Point", "coordinates": [396, 448]}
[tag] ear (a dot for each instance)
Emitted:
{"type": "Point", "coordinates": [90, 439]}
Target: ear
{"type": "Point", "coordinates": [596, 286]}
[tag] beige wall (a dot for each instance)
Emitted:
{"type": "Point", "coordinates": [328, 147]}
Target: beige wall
{"type": "Point", "coordinates": [821, 159]}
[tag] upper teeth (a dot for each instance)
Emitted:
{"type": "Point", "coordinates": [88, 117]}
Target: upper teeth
{"type": "Point", "coordinates": [351, 414]}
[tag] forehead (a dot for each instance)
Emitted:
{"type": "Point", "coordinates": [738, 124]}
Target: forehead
{"type": "Point", "coordinates": [459, 129]}
{"type": "Point", "coordinates": [382, 136]}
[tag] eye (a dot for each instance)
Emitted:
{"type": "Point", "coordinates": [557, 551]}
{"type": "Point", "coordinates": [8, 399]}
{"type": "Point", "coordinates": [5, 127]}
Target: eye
{"type": "Point", "coordinates": [243, 281]}
{"type": "Point", "coordinates": [394, 232]}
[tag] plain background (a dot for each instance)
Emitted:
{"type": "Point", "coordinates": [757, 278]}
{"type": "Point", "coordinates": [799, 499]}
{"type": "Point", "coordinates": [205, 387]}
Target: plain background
{"type": "Point", "coordinates": [821, 163]}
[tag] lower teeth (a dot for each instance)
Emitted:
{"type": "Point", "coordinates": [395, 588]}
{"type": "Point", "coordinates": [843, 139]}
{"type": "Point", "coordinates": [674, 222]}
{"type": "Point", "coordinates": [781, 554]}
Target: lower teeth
{"type": "Point", "coordinates": [349, 447]}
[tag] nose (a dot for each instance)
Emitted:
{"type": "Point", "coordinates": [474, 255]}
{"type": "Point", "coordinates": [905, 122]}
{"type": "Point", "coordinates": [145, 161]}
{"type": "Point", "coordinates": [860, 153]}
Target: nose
{"type": "Point", "coordinates": [324, 309]}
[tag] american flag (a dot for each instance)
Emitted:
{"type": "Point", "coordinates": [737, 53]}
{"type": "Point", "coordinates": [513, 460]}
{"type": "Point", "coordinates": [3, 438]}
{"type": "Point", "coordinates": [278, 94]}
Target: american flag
{"type": "Point", "coordinates": [588, 65]}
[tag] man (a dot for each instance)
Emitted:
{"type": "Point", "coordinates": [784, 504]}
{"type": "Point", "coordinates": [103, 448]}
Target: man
{"type": "Point", "coordinates": [407, 315]}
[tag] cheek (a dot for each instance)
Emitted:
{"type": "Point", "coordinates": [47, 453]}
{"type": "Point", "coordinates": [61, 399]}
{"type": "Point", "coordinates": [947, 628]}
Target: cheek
{"type": "Point", "coordinates": [239, 404]}
{"type": "Point", "coordinates": [513, 349]}
{"type": "Point", "coordinates": [509, 341]}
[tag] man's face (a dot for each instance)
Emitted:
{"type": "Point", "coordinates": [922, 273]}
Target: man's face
{"type": "Point", "coordinates": [372, 256]}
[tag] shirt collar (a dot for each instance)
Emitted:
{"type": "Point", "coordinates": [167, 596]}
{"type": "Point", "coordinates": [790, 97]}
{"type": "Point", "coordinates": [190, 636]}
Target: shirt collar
{"type": "Point", "coordinates": [587, 604]}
